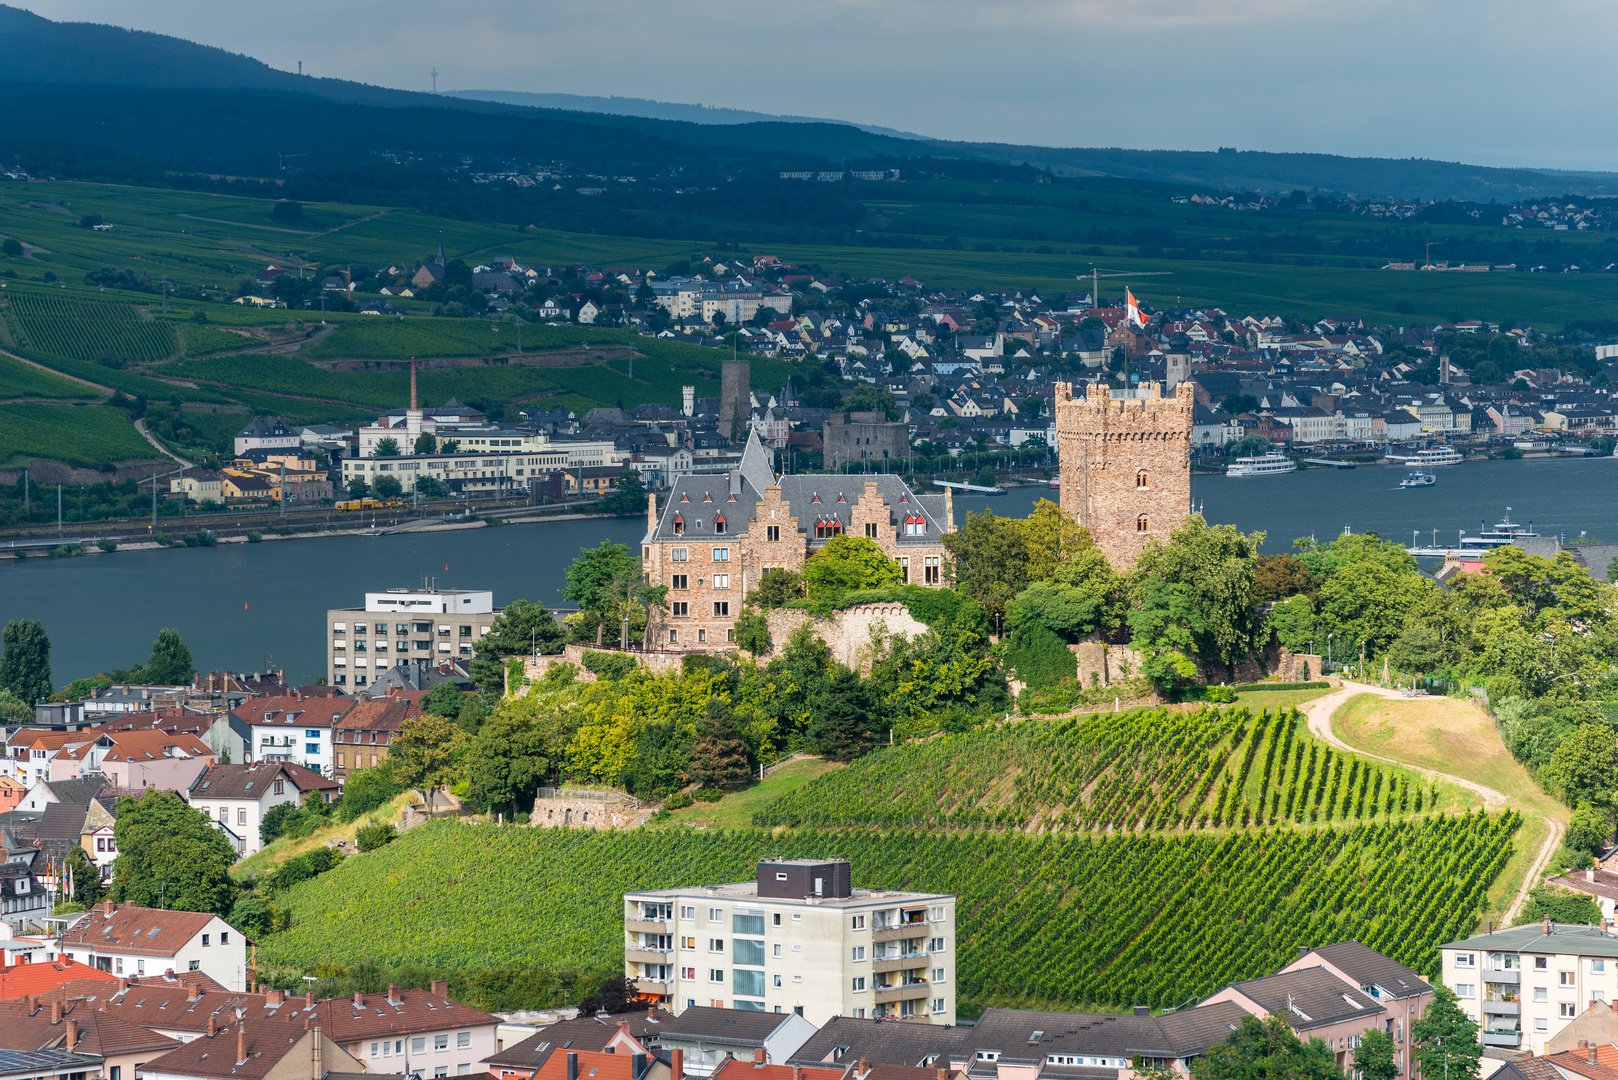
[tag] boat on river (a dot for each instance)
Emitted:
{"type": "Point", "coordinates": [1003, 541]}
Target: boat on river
{"type": "Point", "coordinates": [1418, 479]}
{"type": "Point", "coordinates": [1271, 464]}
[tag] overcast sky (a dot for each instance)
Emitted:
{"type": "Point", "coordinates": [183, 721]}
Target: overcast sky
{"type": "Point", "coordinates": [1483, 81]}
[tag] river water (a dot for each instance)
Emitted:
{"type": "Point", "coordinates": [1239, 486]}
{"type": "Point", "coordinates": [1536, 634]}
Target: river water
{"type": "Point", "coordinates": [245, 607]}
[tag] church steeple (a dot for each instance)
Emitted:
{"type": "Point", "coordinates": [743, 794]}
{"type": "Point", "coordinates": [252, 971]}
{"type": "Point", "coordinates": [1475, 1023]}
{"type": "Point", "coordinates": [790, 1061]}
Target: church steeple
{"type": "Point", "coordinates": [441, 251]}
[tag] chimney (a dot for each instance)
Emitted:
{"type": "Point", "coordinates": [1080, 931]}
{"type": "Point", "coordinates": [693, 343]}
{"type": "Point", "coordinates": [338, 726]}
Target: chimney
{"type": "Point", "coordinates": [758, 1057]}
{"type": "Point", "coordinates": [1143, 1010]}
{"type": "Point", "coordinates": [241, 1043]}
{"type": "Point", "coordinates": [308, 1023]}
{"type": "Point", "coordinates": [943, 1074]}
{"type": "Point", "coordinates": [193, 991]}
{"type": "Point", "coordinates": [320, 1040]}
{"type": "Point", "coordinates": [1592, 1047]}
{"type": "Point", "coordinates": [213, 1026]}
{"type": "Point", "coordinates": [797, 1070]}
{"type": "Point", "coordinates": [56, 1012]}
{"type": "Point", "coordinates": [864, 1067]}
{"type": "Point", "coordinates": [274, 997]}
{"type": "Point", "coordinates": [109, 908]}
{"type": "Point", "coordinates": [1547, 927]}
{"type": "Point", "coordinates": [1303, 951]}
{"type": "Point", "coordinates": [637, 1066]}
{"type": "Point", "coordinates": [123, 984]}
{"type": "Point", "coordinates": [677, 1062]}
{"type": "Point", "coordinates": [33, 1004]}
{"type": "Point", "coordinates": [623, 1027]}
{"type": "Point", "coordinates": [1590, 874]}
{"type": "Point", "coordinates": [572, 1065]}
{"type": "Point", "coordinates": [393, 993]}
{"type": "Point", "coordinates": [72, 1034]}
{"type": "Point", "coordinates": [309, 999]}
{"type": "Point", "coordinates": [359, 999]}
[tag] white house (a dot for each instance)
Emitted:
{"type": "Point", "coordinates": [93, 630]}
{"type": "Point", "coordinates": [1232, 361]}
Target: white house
{"type": "Point", "coordinates": [128, 940]}
{"type": "Point", "coordinates": [293, 728]}
{"type": "Point", "coordinates": [238, 796]}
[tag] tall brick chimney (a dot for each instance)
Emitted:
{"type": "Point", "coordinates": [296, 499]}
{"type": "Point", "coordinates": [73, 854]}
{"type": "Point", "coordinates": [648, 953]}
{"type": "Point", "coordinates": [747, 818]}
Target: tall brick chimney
{"type": "Point", "coordinates": [73, 1034]}
{"type": "Point", "coordinates": [241, 1043]}
{"type": "Point", "coordinates": [56, 1012]}
{"type": "Point", "coordinates": [393, 994]}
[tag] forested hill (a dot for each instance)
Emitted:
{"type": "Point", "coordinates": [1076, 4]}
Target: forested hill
{"type": "Point", "coordinates": [89, 58]}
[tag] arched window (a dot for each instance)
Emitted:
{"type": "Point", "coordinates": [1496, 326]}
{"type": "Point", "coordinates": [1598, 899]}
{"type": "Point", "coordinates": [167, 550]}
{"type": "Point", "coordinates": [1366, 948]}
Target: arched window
{"type": "Point", "coordinates": [1140, 479]}
{"type": "Point", "coordinates": [1140, 524]}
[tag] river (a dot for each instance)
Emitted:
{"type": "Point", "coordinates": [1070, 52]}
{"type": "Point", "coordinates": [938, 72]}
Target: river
{"type": "Point", "coordinates": [246, 607]}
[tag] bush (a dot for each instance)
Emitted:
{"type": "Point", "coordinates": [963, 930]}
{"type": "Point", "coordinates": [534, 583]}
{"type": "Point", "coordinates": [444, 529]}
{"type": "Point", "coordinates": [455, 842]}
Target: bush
{"type": "Point", "coordinates": [302, 868]}
{"type": "Point", "coordinates": [678, 801]}
{"type": "Point", "coordinates": [608, 665]}
{"type": "Point", "coordinates": [1040, 658]}
{"type": "Point", "coordinates": [1222, 695]}
{"type": "Point", "coordinates": [1320, 684]}
{"type": "Point", "coordinates": [708, 794]}
{"type": "Point", "coordinates": [206, 538]}
{"type": "Point", "coordinates": [1558, 906]}
{"type": "Point", "coordinates": [107, 545]}
{"type": "Point", "coordinates": [66, 551]}
{"type": "Point", "coordinates": [254, 536]}
{"type": "Point", "coordinates": [374, 835]}
{"type": "Point", "coordinates": [1501, 687]}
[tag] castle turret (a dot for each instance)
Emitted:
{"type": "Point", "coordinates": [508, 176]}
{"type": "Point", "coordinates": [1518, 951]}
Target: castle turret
{"type": "Point", "coordinates": [1126, 464]}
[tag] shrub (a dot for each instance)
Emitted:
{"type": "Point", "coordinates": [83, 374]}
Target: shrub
{"type": "Point", "coordinates": [107, 545]}
{"type": "Point", "coordinates": [254, 536]}
{"type": "Point", "coordinates": [678, 801]}
{"type": "Point", "coordinates": [375, 834]}
{"type": "Point", "coordinates": [608, 665]}
{"type": "Point", "coordinates": [1040, 658]}
{"type": "Point", "coordinates": [67, 551]}
{"type": "Point", "coordinates": [1223, 695]}
{"type": "Point", "coordinates": [206, 538]}
{"type": "Point", "coordinates": [302, 868]}
{"type": "Point", "coordinates": [1501, 687]}
{"type": "Point", "coordinates": [708, 794]}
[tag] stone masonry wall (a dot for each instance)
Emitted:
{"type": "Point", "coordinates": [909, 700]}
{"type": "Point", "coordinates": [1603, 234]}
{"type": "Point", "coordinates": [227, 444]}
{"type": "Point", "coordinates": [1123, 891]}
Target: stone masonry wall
{"type": "Point", "coordinates": [1125, 464]}
{"type": "Point", "coordinates": [618, 811]}
{"type": "Point", "coordinates": [847, 633]}
{"type": "Point", "coordinates": [1102, 664]}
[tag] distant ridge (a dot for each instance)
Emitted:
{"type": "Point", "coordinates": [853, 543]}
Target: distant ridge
{"type": "Point", "coordinates": [663, 110]}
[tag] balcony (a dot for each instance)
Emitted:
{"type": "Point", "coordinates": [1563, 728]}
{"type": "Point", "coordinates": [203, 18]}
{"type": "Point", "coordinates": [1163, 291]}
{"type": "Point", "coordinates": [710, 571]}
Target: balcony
{"type": "Point", "coordinates": [897, 933]}
{"type": "Point", "coordinates": [1513, 977]}
{"type": "Point", "coordinates": [653, 986]}
{"type": "Point", "coordinates": [1502, 1008]}
{"type": "Point", "coordinates": [906, 992]}
{"type": "Point", "coordinates": [1512, 1039]}
{"type": "Point", "coordinates": [647, 926]}
{"type": "Point", "coordinates": [900, 963]}
{"type": "Point", "coordinates": [648, 956]}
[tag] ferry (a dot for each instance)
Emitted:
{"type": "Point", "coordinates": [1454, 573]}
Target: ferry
{"type": "Point", "coordinates": [1503, 533]}
{"type": "Point", "coordinates": [1432, 456]}
{"type": "Point", "coordinates": [1418, 479]}
{"type": "Point", "coordinates": [1271, 464]}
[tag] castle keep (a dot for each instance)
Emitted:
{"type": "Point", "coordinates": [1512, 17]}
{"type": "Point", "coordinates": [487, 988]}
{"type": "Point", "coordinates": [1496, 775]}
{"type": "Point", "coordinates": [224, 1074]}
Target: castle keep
{"type": "Point", "coordinates": [1126, 464]}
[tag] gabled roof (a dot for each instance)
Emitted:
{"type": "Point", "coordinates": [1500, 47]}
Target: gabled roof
{"type": "Point", "coordinates": [25, 980]}
{"type": "Point", "coordinates": [843, 1040]}
{"type": "Point", "coordinates": [591, 1033]}
{"type": "Point", "coordinates": [1308, 998]}
{"type": "Point", "coordinates": [735, 1027]}
{"type": "Point", "coordinates": [254, 780]}
{"type": "Point", "coordinates": [242, 1051]}
{"type": "Point", "coordinates": [111, 927]}
{"type": "Point", "coordinates": [292, 710]}
{"type": "Point", "coordinates": [25, 1028]}
{"type": "Point", "coordinates": [1369, 968]}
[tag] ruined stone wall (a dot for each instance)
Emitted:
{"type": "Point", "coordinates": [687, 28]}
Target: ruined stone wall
{"type": "Point", "coordinates": [847, 633]}
{"type": "Point", "coordinates": [1102, 664]}
{"type": "Point", "coordinates": [535, 667]}
{"type": "Point", "coordinates": [1125, 464]}
{"type": "Point", "coordinates": [565, 811]}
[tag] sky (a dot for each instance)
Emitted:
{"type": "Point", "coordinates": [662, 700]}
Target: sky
{"type": "Point", "coordinates": [1483, 81]}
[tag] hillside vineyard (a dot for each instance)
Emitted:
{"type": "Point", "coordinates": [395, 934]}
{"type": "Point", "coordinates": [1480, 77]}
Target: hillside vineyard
{"type": "Point", "coordinates": [1061, 919]}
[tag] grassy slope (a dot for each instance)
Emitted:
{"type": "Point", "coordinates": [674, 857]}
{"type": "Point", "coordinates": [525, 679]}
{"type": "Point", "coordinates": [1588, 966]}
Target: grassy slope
{"type": "Point", "coordinates": [1458, 738]}
{"type": "Point", "coordinates": [735, 810]}
{"type": "Point", "coordinates": [268, 858]}
{"type": "Point", "coordinates": [79, 435]}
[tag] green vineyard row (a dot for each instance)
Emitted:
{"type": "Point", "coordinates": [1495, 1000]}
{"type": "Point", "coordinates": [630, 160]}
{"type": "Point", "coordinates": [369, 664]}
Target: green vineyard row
{"type": "Point", "coordinates": [87, 330]}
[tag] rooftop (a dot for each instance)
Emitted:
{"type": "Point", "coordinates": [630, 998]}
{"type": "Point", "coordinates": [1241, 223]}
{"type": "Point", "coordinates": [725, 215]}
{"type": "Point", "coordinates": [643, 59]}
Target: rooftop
{"type": "Point", "coordinates": [1532, 938]}
{"type": "Point", "coordinates": [748, 890]}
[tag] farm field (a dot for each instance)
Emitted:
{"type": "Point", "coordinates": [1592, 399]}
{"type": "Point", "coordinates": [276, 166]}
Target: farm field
{"type": "Point", "coordinates": [80, 435]}
{"type": "Point", "coordinates": [18, 380]}
{"type": "Point", "coordinates": [87, 329]}
{"type": "Point", "coordinates": [1144, 769]}
{"type": "Point", "coordinates": [1053, 921]}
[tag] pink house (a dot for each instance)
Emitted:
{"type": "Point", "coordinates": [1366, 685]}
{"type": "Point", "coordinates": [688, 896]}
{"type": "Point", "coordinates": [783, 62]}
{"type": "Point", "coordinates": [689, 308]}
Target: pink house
{"type": "Point", "coordinates": [136, 759]}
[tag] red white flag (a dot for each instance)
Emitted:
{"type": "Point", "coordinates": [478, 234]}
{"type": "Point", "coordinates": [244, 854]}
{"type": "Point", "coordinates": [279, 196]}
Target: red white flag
{"type": "Point", "coordinates": [1133, 309]}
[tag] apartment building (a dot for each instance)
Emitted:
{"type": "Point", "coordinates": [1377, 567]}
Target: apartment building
{"type": "Point", "coordinates": [399, 627]}
{"type": "Point", "coordinates": [797, 939]}
{"type": "Point", "coordinates": [292, 728]}
{"type": "Point", "coordinates": [1522, 986]}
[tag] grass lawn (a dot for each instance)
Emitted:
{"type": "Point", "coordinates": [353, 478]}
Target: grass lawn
{"type": "Point", "coordinates": [735, 810]}
{"type": "Point", "coordinates": [1276, 699]}
{"type": "Point", "coordinates": [1458, 738]}
{"type": "Point", "coordinates": [268, 858]}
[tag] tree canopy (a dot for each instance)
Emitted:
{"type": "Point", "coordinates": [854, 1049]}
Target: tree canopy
{"type": "Point", "coordinates": [25, 660]}
{"type": "Point", "coordinates": [170, 856]}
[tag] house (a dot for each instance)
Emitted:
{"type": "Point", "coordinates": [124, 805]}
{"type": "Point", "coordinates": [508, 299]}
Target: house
{"type": "Point", "coordinates": [1009, 1043]}
{"type": "Point", "coordinates": [126, 940]}
{"type": "Point", "coordinates": [197, 485]}
{"type": "Point", "coordinates": [267, 434]}
{"type": "Point", "coordinates": [135, 759]}
{"type": "Point", "coordinates": [42, 976]}
{"type": "Point", "coordinates": [24, 900]}
{"type": "Point", "coordinates": [706, 1036]}
{"type": "Point", "coordinates": [78, 791]}
{"type": "Point", "coordinates": [1316, 1004]}
{"type": "Point", "coordinates": [77, 1028]}
{"type": "Point", "coordinates": [623, 1034]}
{"type": "Point", "coordinates": [254, 1051]}
{"type": "Point", "coordinates": [241, 795]}
{"type": "Point", "coordinates": [596, 1065]}
{"type": "Point", "coordinates": [293, 728]}
{"type": "Point", "coordinates": [31, 1065]}
{"type": "Point", "coordinates": [362, 737]}
{"type": "Point", "coordinates": [235, 485]}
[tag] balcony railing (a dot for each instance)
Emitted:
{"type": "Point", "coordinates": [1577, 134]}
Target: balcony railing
{"type": "Point", "coordinates": [647, 926]}
{"type": "Point", "coordinates": [1502, 1038]}
{"type": "Point", "coordinates": [648, 956]}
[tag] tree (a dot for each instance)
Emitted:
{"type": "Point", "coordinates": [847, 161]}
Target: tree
{"type": "Point", "coordinates": [86, 878]}
{"type": "Point", "coordinates": [425, 751]}
{"type": "Point", "coordinates": [521, 629]}
{"type": "Point", "coordinates": [13, 709]}
{"type": "Point", "coordinates": [358, 489]}
{"type": "Point", "coordinates": [1294, 622]}
{"type": "Point", "coordinates": [1276, 577]}
{"type": "Point", "coordinates": [170, 661]}
{"type": "Point", "coordinates": [170, 856]}
{"type": "Point", "coordinates": [1374, 1056]}
{"type": "Point", "coordinates": [388, 487]}
{"type": "Point", "coordinates": [430, 487]}
{"type": "Point", "coordinates": [1585, 766]}
{"type": "Point", "coordinates": [1444, 1041]}
{"type": "Point", "coordinates": [752, 632]}
{"type": "Point", "coordinates": [1051, 538]}
{"type": "Point", "coordinates": [607, 583]}
{"type": "Point", "coordinates": [386, 446]}
{"type": "Point", "coordinates": [1589, 829]}
{"type": "Point", "coordinates": [842, 720]}
{"type": "Point", "coordinates": [426, 443]}
{"type": "Point", "coordinates": [508, 761]}
{"type": "Point", "coordinates": [777, 588]}
{"type": "Point", "coordinates": [1216, 565]}
{"type": "Point", "coordinates": [616, 995]}
{"type": "Point", "coordinates": [1559, 906]}
{"type": "Point", "coordinates": [628, 495]}
{"type": "Point", "coordinates": [1419, 650]}
{"type": "Point", "coordinates": [719, 756]}
{"type": "Point", "coordinates": [1238, 403]}
{"type": "Point", "coordinates": [847, 564]}
{"type": "Point", "coordinates": [25, 662]}
{"type": "Point", "coordinates": [368, 789]}
{"type": "Point", "coordinates": [989, 560]}
{"type": "Point", "coordinates": [1164, 630]}
{"type": "Point", "coordinates": [11, 246]}
{"type": "Point", "coordinates": [1266, 1050]}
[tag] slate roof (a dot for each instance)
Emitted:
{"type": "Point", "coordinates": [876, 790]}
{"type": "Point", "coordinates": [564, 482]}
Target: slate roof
{"type": "Point", "coordinates": [735, 1027]}
{"type": "Point", "coordinates": [1369, 968]}
{"type": "Point", "coordinates": [80, 790]}
{"type": "Point", "coordinates": [844, 1039]}
{"type": "Point", "coordinates": [1027, 1035]}
{"type": "Point", "coordinates": [1309, 998]}
{"type": "Point", "coordinates": [584, 1033]}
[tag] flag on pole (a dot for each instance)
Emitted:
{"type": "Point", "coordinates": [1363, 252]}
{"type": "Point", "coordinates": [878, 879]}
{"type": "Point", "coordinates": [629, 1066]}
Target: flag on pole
{"type": "Point", "coordinates": [1133, 309]}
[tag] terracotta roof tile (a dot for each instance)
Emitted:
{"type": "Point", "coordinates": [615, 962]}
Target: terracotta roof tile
{"type": "Point", "coordinates": [24, 980]}
{"type": "Point", "coordinates": [152, 931]}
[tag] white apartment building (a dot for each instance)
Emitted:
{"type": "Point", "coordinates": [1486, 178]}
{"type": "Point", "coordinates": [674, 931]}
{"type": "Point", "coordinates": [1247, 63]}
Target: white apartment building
{"type": "Point", "coordinates": [1523, 985]}
{"type": "Point", "coordinates": [490, 471]}
{"type": "Point", "coordinates": [125, 940]}
{"type": "Point", "coordinates": [799, 939]}
{"type": "Point", "coordinates": [404, 626]}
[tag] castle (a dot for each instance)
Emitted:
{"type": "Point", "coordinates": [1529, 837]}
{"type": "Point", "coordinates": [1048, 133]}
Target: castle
{"type": "Point", "coordinates": [1126, 464]}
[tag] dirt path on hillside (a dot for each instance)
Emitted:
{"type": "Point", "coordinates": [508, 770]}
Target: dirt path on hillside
{"type": "Point", "coordinates": [1320, 712]}
{"type": "Point", "coordinates": [140, 426]}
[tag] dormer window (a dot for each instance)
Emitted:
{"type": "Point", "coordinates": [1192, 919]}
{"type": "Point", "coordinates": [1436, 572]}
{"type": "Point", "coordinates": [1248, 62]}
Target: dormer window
{"type": "Point", "coordinates": [915, 525]}
{"type": "Point", "coordinates": [719, 524]}
{"type": "Point", "coordinates": [679, 525]}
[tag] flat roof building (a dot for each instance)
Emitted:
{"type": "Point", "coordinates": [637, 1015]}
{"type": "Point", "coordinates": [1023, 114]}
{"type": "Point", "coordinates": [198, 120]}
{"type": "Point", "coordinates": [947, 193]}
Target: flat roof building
{"type": "Point", "coordinates": [400, 627]}
{"type": "Point", "coordinates": [799, 938]}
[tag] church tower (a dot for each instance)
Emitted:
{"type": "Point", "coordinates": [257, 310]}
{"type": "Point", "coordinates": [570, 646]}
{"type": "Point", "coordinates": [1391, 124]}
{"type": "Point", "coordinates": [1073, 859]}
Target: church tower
{"type": "Point", "coordinates": [1126, 464]}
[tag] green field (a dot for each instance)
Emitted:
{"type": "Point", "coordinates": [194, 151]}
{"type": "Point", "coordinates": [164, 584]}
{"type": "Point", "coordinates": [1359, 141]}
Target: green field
{"type": "Point", "coordinates": [1051, 921]}
{"type": "Point", "coordinates": [83, 435]}
{"type": "Point", "coordinates": [19, 380]}
{"type": "Point", "coordinates": [1146, 769]}
{"type": "Point", "coordinates": [88, 330]}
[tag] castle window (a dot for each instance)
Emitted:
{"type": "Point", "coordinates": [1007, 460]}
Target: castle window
{"type": "Point", "coordinates": [870, 530]}
{"type": "Point", "coordinates": [719, 524]}
{"type": "Point", "coordinates": [1140, 524]}
{"type": "Point", "coordinates": [1140, 479]}
{"type": "Point", "coordinates": [915, 525]}
{"type": "Point", "coordinates": [772, 533]}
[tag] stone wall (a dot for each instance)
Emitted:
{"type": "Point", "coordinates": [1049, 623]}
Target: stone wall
{"type": "Point", "coordinates": [1102, 664]}
{"type": "Point", "coordinates": [577, 811]}
{"type": "Point", "coordinates": [861, 440]}
{"type": "Point", "coordinates": [847, 633]}
{"type": "Point", "coordinates": [1125, 464]}
{"type": "Point", "coordinates": [534, 667]}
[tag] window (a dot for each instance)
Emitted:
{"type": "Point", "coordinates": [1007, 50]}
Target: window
{"type": "Point", "coordinates": [1541, 1024]}
{"type": "Point", "coordinates": [440, 1070]}
{"type": "Point", "coordinates": [224, 939]}
{"type": "Point", "coordinates": [677, 555]}
{"type": "Point", "coordinates": [1465, 990]}
{"type": "Point", "coordinates": [870, 530]}
{"type": "Point", "coordinates": [418, 1045]}
{"type": "Point", "coordinates": [937, 914]}
{"type": "Point", "coordinates": [748, 983]}
{"type": "Point", "coordinates": [688, 943]}
{"type": "Point", "coordinates": [750, 953]}
{"type": "Point", "coordinates": [1598, 995]}
{"type": "Point", "coordinates": [1541, 963]}
{"type": "Point", "coordinates": [463, 1040]}
{"type": "Point", "coordinates": [680, 608]}
{"type": "Point", "coordinates": [1567, 1010]}
{"type": "Point", "coordinates": [938, 974]}
{"type": "Point", "coordinates": [935, 944]}
{"type": "Point", "coordinates": [772, 533]}
{"type": "Point", "coordinates": [679, 581]}
{"type": "Point", "coordinates": [195, 965]}
{"type": "Point", "coordinates": [938, 1004]}
{"type": "Point", "coordinates": [716, 944]}
{"type": "Point", "coordinates": [721, 554]}
{"type": "Point", "coordinates": [775, 919]}
{"type": "Point", "coordinates": [1564, 978]}
{"type": "Point", "coordinates": [115, 1073]}
{"type": "Point", "coordinates": [988, 1055]}
{"type": "Point", "coordinates": [702, 635]}
{"type": "Point", "coordinates": [775, 981]}
{"type": "Point", "coordinates": [747, 924]}
{"type": "Point", "coordinates": [719, 523]}
{"type": "Point", "coordinates": [775, 951]}
{"type": "Point", "coordinates": [859, 985]}
{"type": "Point", "coordinates": [224, 814]}
{"type": "Point", "coordinates": [674, 635]}
{"type": "Point", "coordinates": [856, 922]}
{"type": "Point", "coordinates": [374, 1048]}
{"type": "Point", "coordinates": [1598, 966]}
{"type": "Point", "coordinates": [205, 939]}
{"type": "Point", "coordinates": [441, 1042]}
{"type": "Point", "coordinates": [1140, 524]}
{"type": "Point", "coordinates": [859, 1014]}
{"type": "Point", "coordinates": [859, 953]}
{"type": "Point", "coordinates": [932, 570]}
{"type": "Point", "coordinates": [463, 1068]}
{"type": "Point", "coordinates": [1140, 479]}
{"type": "Point", "coordinates": [1541, 994]}
{"type": "Point", "coordinates": [688, 911]}
{"type": "Point", "coordinates": [1466, 960]}
{"type": "Point", "coordinates": [715, 975]}
{"type": "Point", "coordinates": [688, 973]}
{"type": "Point", "coordinates": [721, 581]}
{"type": "Point", "coordinates": [721, 609]}
{"type": "Point", "coordinates": [716, 914]}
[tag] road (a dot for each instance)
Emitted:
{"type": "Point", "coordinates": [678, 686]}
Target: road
{"type": "Point", "coordinates": [1320, 711]}
{"type": "Point", "coordinates": [140, 426]}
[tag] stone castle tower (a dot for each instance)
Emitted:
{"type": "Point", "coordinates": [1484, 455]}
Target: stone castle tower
{"type": "Point", "coordinates": [735, 405]}
{"type": "Point", "coordinates": [1126, 464]}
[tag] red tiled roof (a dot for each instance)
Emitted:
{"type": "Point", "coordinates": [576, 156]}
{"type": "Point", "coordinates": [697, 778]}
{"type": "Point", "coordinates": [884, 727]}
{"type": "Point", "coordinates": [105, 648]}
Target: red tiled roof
{"type": "Point", "coordinates": [293, 711]}
{"type": "Point", "coordinates": [130, 929]}
{"type": "Point", "coordinates": [25, 980]}
{"type": "Point", "coordinates": [734, 1069]}
{"type": "Point", "coordinates": [242, 1051]}
{"type": "Point", "coordinates": [145, 745]}
{"type": "Point", "coordinates": [28, 1025]}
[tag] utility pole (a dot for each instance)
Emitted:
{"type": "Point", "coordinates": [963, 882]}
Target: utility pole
{"type": "Point", "coordinates": [165, 282]}
{"type": "Point", "coordinates": [58, 511]}
{"type": "Point", "coordinates": [284, 487]}
{"type": "Point", "coordinates": [27, 507]}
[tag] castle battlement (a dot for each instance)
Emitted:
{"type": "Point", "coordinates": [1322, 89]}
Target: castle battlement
{"type": "Point", "coordinates": [1125, 463]}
